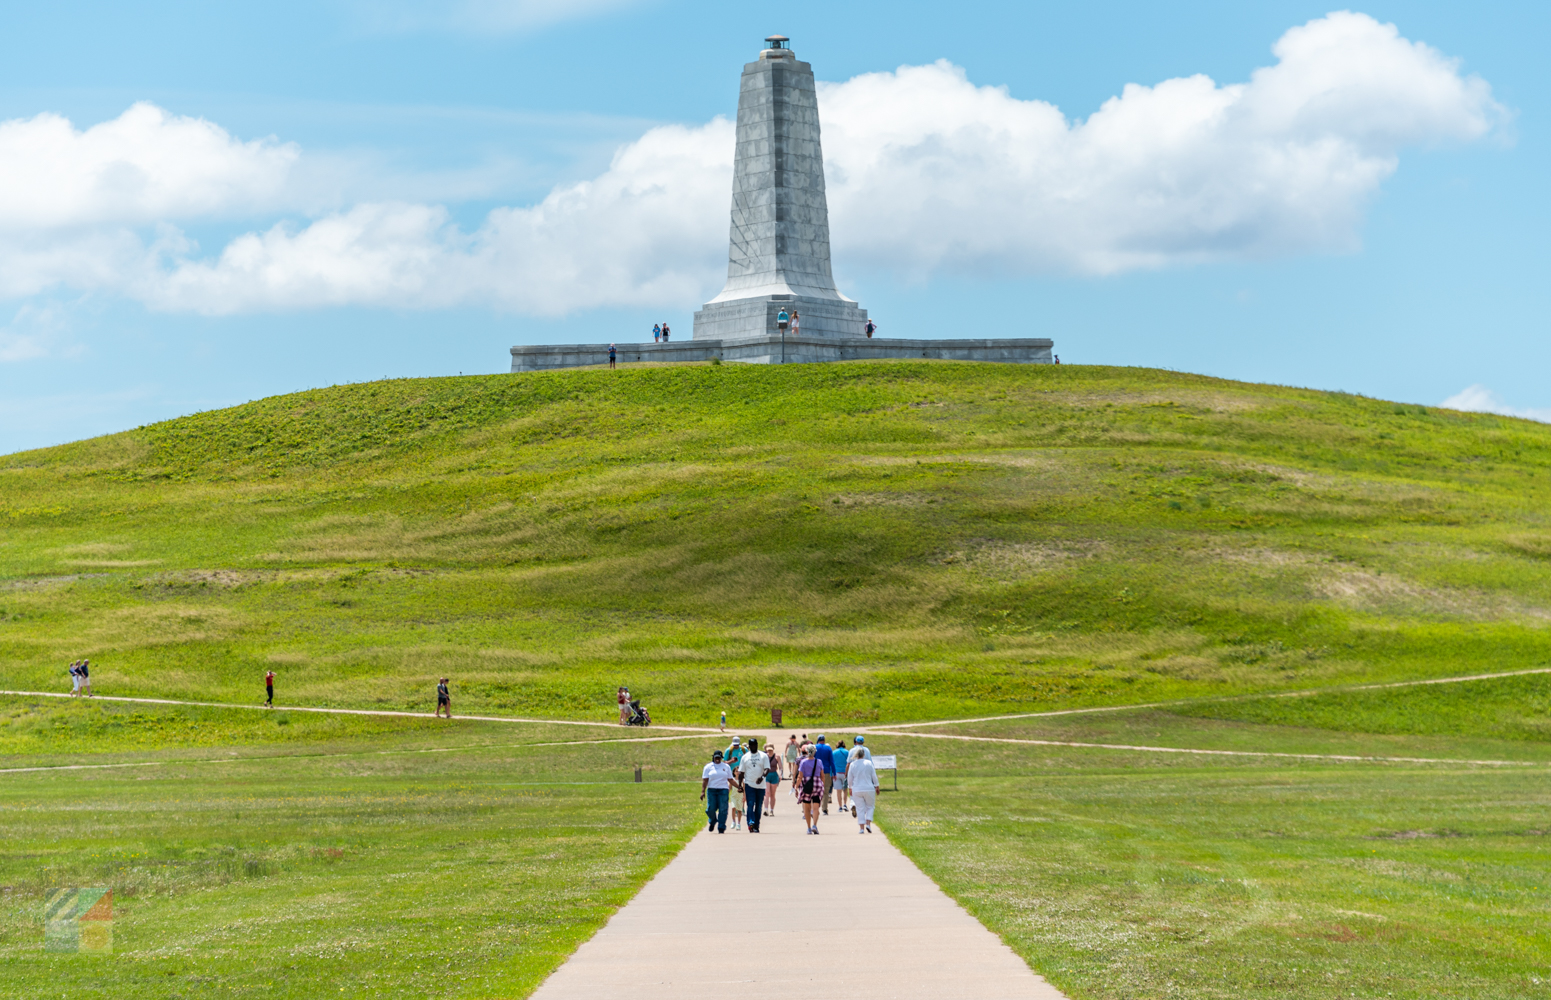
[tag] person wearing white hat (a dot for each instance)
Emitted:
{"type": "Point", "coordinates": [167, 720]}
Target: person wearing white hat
{"type": "Point", "coordinates": [863, 779]}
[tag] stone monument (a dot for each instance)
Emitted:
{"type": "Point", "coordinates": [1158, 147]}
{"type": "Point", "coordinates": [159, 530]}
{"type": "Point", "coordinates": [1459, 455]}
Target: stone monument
{"type": "Point", "coordinates": [780, 304]}
{"type": "Point", "coordinates": [778, 253]}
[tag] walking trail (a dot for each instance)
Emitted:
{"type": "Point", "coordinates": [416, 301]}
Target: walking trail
{"type": "Point", "coordinates": [780, 914]}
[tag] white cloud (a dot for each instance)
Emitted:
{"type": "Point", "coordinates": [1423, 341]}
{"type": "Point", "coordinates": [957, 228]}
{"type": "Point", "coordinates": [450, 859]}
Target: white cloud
{"type": "Point", "coordinates": [650, 229]}
{"type": "Point", "coordinates": [927, 172]}
{"type": "Point", "coordinates": [144, 166]}
{"type": "Point", "coordinates": [35, 331]}
{"type": "Point", "coordinates": [1480, 399]}
{"type": "Point", "coordinates": [931, 171]}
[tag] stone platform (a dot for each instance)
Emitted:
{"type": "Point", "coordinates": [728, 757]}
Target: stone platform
{"type": "Point", "coordinates": [772, 350]}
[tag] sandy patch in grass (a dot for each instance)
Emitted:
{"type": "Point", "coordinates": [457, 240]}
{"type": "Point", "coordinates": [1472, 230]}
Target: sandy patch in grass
{"type": "Point", "coordinates": [99, 549]}
{"type": "Point", "coordinates": [1390, 592]}
{"type": "Point", "coordinates": [47, 582]}
{"type": "Point", "coordinates": [1531, 544]}
{"type": "Point", "coordinates": [879, 499]}
{"type": "Point", "coordinates": [1007, 561]}
{"type": "Point", "coordinates": [162, 624]}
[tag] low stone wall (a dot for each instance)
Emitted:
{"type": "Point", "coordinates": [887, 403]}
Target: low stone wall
{"type": "Point", "coordinates": [790, 350]}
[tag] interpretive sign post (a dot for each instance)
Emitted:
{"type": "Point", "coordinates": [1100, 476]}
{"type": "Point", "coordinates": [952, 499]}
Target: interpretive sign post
{"type": "Point", "coordinates": [887, 762]}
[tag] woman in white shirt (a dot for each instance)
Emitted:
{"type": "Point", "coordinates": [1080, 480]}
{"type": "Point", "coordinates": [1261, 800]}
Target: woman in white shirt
{"type": "Point", "coordinates": [715, 778]}
{"type": "Point", "coordinates": [863, 779]}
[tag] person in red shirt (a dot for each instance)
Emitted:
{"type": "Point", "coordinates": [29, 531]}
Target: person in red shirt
{"type": "Point", "coordinates": [269, 689]}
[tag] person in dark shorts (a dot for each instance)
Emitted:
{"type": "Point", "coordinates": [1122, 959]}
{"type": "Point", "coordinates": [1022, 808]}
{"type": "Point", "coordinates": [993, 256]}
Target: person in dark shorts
{"type": "Point", "coordinates": [611, 355]}
{"type": "Point", "coordinates": [443, 698]}
{"type": "Point", "coordinates": [269, 689]}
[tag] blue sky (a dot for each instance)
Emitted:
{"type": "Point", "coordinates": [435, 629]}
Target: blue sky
{"type": "Point", "coordinates": [401, 149]}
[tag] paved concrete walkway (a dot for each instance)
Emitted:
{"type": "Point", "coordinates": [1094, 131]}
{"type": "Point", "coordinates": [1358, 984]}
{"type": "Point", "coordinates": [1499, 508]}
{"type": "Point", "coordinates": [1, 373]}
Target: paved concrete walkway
{"type": "Point", "coordinates": [781, 915]}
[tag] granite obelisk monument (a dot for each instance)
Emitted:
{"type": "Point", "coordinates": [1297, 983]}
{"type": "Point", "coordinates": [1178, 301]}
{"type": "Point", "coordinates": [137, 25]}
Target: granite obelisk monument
{"type": "Point", "coordinates": [778, 254]}
{"type": "Point", "coordinates": [780, 304]}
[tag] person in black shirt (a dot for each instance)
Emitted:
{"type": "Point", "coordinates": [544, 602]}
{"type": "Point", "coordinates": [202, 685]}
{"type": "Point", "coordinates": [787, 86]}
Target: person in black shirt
{"type": "Point", "coordinates": [443, 698]}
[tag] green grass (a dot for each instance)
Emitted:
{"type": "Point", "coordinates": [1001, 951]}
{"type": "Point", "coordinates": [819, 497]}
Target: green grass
{"type": "Point", "coordinates": [854, 543]}
{"type": "Point", "coordinates": [857, 542]}
{"type": "Point", "coordinates": [1124, 876]}
{"type": "Point", "coordinates": [362, 866]}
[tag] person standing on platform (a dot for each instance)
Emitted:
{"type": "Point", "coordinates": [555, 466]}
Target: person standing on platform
{"type": "Point", "coordinates": [794, 322]}
{"type": "Point", "coordinates": [715, 778]}
{"type": "Point", "coordinates": [872, 328]}
{"type": "Point", "coordinates": [825, 755]}
{"type": "Point", "coordinates": [751, 779]}
{"type": "Point", "coordinates": [863, 779]}
{"type": "Point", "coordinates": [665, 332]}
{"type": "Point", "coordinates": [611, 357]}
{"type": "Point", "coordinates": [269, 689]}
{"type": "Point", "coordinates": [656, 333]}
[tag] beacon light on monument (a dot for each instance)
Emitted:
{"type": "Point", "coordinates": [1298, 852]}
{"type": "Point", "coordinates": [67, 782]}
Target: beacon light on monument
{"type": "Point", "coordinates": [778, 253]}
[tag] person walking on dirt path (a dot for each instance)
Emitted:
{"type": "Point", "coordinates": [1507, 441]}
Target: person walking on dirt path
{"type": "Point", "coordinates": [269, 689]}
{"type": "Point", "coordinates": [809, 782]}
{"type": "Point", "coordinates": [623, 694]}
{"type": "Point", "coordinates": [715, 778]}
{"type": "Point", "coordinates": [772, 779]}
{"type": "Point", "coordinates": [611, 357]}
{"type": "Point", "coordinates": [443, 698]}
{"type": "Point", "coordinates": [86, 678]}
{"type": "Point", "coordinates": [863, 779]}
{"type": "Point", "coordinates": [826, 756]}
{"type": "Point", "coordinates": [793, 752]}
{"type": "Point", "coordinates": [841, 759]}
{"type": "Point", "coordinates": [75, 679]}
{"type": "Point", "coordinates": [724, 720]}
{"type": "Point", "coordinates": [751, 779]}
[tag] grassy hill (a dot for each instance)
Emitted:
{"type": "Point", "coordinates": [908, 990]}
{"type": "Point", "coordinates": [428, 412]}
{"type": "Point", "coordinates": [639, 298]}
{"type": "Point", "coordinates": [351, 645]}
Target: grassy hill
{"type": "Point", "coordinates": [851, 542]}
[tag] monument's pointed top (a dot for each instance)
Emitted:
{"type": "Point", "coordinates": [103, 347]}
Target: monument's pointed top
{"type": "Point", "coordinates": [776, 41]}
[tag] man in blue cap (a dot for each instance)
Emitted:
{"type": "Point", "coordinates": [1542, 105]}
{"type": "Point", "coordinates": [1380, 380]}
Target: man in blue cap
{"type": "Point", "coordinates": [826, 756]}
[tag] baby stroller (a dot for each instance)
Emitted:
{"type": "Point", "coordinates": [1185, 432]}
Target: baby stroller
{"type": "Point", "coordinates": [638, 715]}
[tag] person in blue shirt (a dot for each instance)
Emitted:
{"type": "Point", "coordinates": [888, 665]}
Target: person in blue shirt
{"type": "Point", "coordinates": [825, 754]}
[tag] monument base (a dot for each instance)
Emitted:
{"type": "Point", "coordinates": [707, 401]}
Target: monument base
{"type": "Point", "coordinates": [775, 350]}
{"type": "Point", "coordinates": [737, 319]}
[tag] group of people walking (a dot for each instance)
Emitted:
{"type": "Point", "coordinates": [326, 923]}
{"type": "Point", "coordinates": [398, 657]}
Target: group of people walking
{"type": "Point", "coordinates": [660, 333]}
{"type": "Point", "coordinates": [744, 782]}
{"type": "Point", "coordinates": [81, 678]}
